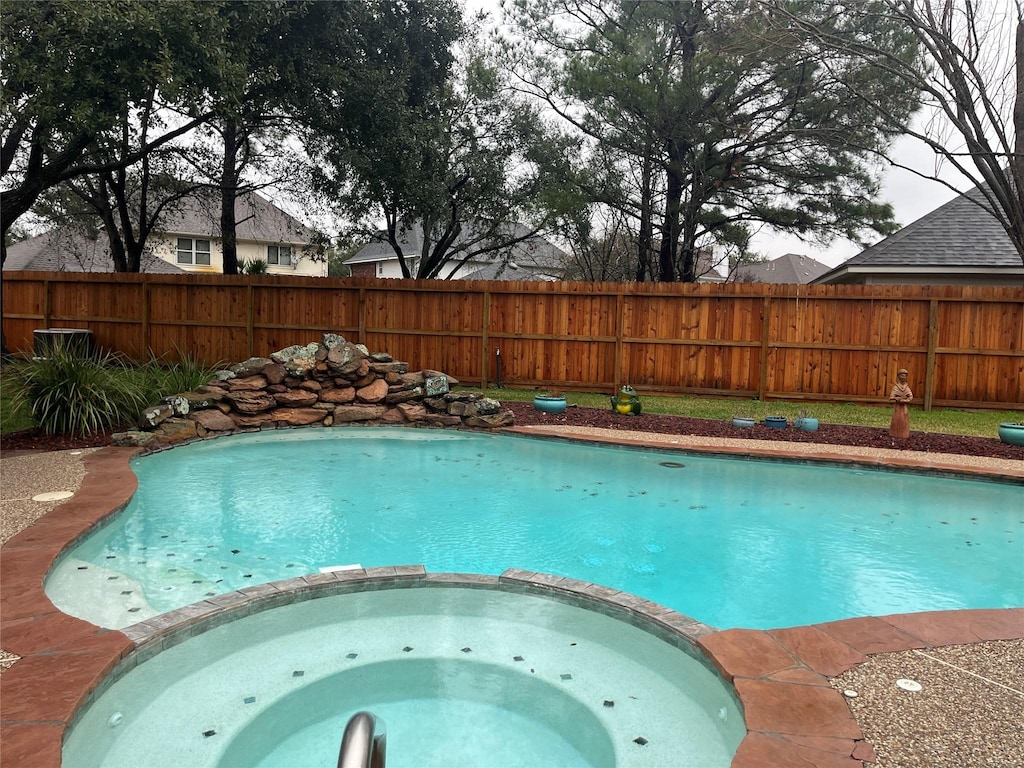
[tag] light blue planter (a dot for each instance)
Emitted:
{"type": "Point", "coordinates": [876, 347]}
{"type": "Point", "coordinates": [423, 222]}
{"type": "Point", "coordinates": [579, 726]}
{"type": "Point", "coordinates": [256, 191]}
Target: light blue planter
{"type": "Point", "coordinates": [549, 404]}
{"type": "Point", "coordinates": [806, 424]}
{"type": "Point", "coordinates": [1011, 434]}
{"type": "Point", "coordinates": [742, 422]}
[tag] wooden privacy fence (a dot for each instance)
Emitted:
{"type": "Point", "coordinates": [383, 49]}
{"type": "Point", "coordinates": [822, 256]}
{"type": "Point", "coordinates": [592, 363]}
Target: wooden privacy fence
{"type": "Point", "coordinates": [964, 346]}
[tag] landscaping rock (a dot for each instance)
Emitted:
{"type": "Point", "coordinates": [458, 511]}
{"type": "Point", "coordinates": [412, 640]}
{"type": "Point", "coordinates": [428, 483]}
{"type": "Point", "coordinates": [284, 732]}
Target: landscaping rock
{"type": "Point", "coordinates": [251, 365]}
{"type": "Point", "coordinates": [412, 412]}
{"type": "Point", "coordinates": [150, 417]}
{"type": "Point", "coordinates": [373, 393]}
{"type": "Point", "coordinates": [132, 438]}
{"type": "Point", "coordinates": [295, 398]}
{"type": "Point", "coordinates": [175, 430]}
{"type": "Point", "coordinates": [298, 417]}
{"type": "Point", "coordinates": [249, 382]}
{"type": "Point", "coordinates": [338, 395]}
{"type": "Point", "coordinates": [403, 395]}
{"type": "Point", "coordinates": [250, 402]}
{"type": "Point", "coordinates": [213, 420]}
{"type": "Point", "coordinates": [297, 360]}
{"type": "Point", "coordinates": [333, 382]}
{"type": "Point", "coordinates": [344, 414]}
{"type": "Point", "coordinates": [492, 421]}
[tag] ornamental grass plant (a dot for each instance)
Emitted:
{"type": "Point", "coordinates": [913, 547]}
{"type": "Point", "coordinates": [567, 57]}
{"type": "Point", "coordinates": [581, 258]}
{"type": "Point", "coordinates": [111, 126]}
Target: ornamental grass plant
{"type": "Point", "coordinates": [66, 393]}
{"type": "Point", "coordinates": [72, 394]}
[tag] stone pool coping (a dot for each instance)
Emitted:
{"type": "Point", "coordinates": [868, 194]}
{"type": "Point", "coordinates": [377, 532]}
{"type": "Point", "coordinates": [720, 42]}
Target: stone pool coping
{"type": "Point", "coordinates": [793, 716]}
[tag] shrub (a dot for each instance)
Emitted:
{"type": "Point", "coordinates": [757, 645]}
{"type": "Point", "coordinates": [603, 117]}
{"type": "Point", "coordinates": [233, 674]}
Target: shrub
{"type": "Point", "coordinates": [70, 394]}
{"type": "Point", "coordinates": [158, 379]}
{"type": "Point", "coordinates": [253, 267]}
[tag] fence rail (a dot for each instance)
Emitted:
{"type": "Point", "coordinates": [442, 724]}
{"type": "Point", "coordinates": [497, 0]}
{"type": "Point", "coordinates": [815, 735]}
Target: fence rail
{"type": "Point", "coordinates": [964, 346]}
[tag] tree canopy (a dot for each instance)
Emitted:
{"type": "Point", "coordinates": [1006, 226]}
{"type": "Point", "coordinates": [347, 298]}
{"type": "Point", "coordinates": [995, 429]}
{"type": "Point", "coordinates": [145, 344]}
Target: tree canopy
{"type": "Point", "coordinates": [74, 72]}
{"type": "Point", "coordinates": [722, 114]}
{"type": "Point", "coordinates": [968, 77]}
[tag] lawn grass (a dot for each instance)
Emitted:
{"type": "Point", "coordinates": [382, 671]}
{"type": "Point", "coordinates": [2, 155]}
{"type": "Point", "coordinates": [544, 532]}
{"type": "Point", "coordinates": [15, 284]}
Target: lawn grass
{"type": "Point", "coordinates": [944, 420]}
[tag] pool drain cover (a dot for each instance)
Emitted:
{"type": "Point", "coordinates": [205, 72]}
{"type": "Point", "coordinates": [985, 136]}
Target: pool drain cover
{"type": "Point", "coordinates": [672, 464]}
{"type": "Point", "coordinates": [53, 496]}
{"type": "Point", "coordinates": [908, 685]}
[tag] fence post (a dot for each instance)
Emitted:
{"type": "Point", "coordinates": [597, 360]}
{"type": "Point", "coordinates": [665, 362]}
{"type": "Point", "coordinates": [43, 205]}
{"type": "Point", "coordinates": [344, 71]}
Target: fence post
{"type": "Point", "coordinates": [47, 310]}
{"type": "Point", "coordinates": [762, 383]}
{"type": "Point", "coordinates": [485, 339]}
{"type": "Point", "coordinates": [933, 336]}
{"type": "Point", "coordinates": [620, 308]}
{"type": "Point", "coordinates": [250, 319]}
{"type": "Point", "coordinates": [362, 315]}
{"type": "Point", "coordinates": [146, 298]}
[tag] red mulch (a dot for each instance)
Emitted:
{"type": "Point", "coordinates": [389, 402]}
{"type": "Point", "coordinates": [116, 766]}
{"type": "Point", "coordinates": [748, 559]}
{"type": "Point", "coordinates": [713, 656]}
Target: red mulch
{"type": "Point", "coordinates": [526, 414]}
{"type": "Point", "coordinates": [829, 434]}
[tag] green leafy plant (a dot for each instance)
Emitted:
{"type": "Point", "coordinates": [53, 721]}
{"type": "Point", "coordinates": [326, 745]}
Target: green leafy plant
{"type": "Point", "coordinates": [71, 394]}
{"type": "Point", "coordinates": [157, 378]}
{"type": "Point", "coordinates": [253, 267]}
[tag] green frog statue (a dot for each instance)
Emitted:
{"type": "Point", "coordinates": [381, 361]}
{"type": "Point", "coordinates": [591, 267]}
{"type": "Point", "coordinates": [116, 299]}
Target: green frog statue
{"type": "Point", "coordinates": [626, 401]}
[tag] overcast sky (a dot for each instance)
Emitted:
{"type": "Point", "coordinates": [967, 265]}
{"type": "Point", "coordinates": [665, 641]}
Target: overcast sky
{"type": "Point", "coordinates": [910, 195]}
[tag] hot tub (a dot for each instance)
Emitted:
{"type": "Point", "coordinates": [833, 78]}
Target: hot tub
{"type": "Point", "coordinates": [478, 673]}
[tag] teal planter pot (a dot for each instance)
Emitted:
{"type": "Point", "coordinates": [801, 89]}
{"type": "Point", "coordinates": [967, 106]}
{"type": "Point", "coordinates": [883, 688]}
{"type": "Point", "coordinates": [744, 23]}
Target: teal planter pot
{"type": "Point", "coordinates": [549, 404]}
{"type": "Point", "coordinates": [1011, 434]}
{"type": "Point", "coordinates": [742, 422]}
{"type": "Point", "coordinates": [777, 422]}
{"type": "Point", "coordinates": [806, 424]}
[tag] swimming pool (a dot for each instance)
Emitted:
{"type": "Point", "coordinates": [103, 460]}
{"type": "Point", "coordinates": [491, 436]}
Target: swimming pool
{"type": "Point", "coordinates": [461, 677]}
{"type": "Point", "coordinates": [732, 543]}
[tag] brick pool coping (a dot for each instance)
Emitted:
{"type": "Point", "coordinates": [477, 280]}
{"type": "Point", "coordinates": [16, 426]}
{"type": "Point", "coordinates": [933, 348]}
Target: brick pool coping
{"type": "Point", "coordinates": [793, 716]}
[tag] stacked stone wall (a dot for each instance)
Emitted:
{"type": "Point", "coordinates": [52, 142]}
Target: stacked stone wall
{"type": "Point", "coordinates": [327, 383]}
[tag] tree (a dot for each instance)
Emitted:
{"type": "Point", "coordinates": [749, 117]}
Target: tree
{"type": "Point", "coordinates": [73, 71]}
{"type": "Point", "coordinates": [448, 158]}
{"type": "Point", "coordinates": [969, 77]}
{"type": "Point", "coordinates": [727, 115]}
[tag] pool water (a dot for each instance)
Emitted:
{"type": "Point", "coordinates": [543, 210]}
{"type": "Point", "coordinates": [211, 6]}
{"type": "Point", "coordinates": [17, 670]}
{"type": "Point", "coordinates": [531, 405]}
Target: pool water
{"type": "Point", "coordinates": [460, 677]}
{"type": "Point", "coordinates": [732, 543]}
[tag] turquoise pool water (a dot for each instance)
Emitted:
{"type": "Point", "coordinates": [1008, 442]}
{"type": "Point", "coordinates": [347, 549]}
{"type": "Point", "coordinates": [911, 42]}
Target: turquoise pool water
{"type": "Point", "coordinates": [461, 677]}
{"type": "Point", "coordinates": [731, 543]}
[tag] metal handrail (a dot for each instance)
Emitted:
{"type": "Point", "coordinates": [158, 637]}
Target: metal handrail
{"type": "Point", "coordinates": [364, 743]}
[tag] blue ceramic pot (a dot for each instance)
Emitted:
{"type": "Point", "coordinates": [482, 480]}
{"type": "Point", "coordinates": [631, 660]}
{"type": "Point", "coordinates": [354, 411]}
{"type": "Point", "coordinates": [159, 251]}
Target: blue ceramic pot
{"type": "Point", "coordinates": [778, 422]}
{"type": "Point", "coordinates": [742, 422]}
{"type": "Point", "coordinates": [1011, 434]}
{"type": "Point", "coordinates": [549, 404]}
{"type": "Point", "coordinates": [806, 423]}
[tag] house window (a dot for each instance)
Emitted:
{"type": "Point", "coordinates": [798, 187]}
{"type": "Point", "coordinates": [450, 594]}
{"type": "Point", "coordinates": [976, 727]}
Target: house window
{"type": "Point", "coordinates": [281, 255]}
{"type": "Point", "coordinates": [380, 269]}
{"type": "Point", "coordinates": [192, 251]}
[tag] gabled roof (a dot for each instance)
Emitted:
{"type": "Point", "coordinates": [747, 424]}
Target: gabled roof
{"type": "Point", "coordinates": [510, 270]}
{"type": "Point", "coordinates": [790, 268]}
{"type": "Point", "coordinates": [958, 236]}
{"type": "Point", "coordinates": [69, 250]}
{"type": "Point", "coordinates": [257, 219]}
{"type": "Point", "coordinates": [534, 253]}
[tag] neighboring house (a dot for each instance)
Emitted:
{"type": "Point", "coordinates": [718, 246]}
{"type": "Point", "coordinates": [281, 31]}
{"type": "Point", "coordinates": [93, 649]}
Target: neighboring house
{"type": "Point", "coordinates": [68, 249]}
{"type": "Point", "coordinates": [956, 244]}
{"type": "Point", "coordinates": [191, 237]}
{"type": "Point", "coordinates": [189, 241]}
{"type": "Point", "coordinates": [791, 268]}
{"type": "Point", "coordinates": [532, 259]}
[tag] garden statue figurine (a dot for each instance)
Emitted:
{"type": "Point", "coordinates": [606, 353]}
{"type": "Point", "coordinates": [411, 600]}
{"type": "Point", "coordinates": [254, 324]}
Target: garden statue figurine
{"type": "Point", "coordinates": [901, 396]}
{"type": "Point", "coordinates": [626, 401]}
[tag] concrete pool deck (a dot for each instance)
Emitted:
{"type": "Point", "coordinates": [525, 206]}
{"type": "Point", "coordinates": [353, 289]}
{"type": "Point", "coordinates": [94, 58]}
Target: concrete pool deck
{"type": "Point", "coordinates": [795, 714]}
